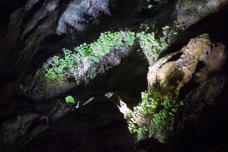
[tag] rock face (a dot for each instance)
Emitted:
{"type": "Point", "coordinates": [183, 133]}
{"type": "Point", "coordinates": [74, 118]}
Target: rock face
{"type": "Point", "coordinates": [21, 120]}
{"type": "Point", "coordinates": [180, 85]}
{"type": "Point", "coordinates": [83, 68]}
{"type": "Point", "coordinates": [99, 126]}
{"type": "Point", "coordinates": [200, 58]}
{"type": "Point", "coordinates": [14, 129]}
{"type": "Point", "coordinates": [31, 24]}
{"type": "Point", "coordinates": [28, 36]}
{"type": "Point", "coordinates": [41, 28]}
{"type": "Point", "coordinates": [76, 20]}
{"type": "Point", "coordinates": [188, 10]}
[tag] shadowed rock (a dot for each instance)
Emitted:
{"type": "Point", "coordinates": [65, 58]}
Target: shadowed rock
{"type": "Point", "coordinates": [97, 127]}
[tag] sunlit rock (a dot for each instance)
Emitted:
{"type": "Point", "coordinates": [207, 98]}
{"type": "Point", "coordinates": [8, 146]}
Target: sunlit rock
{"type": "Point", "coordinates": [174, 71]}
{"type": "Point", "coordinates": [192, 73]}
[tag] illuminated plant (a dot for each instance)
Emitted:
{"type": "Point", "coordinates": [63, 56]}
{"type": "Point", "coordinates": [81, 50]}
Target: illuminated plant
{"type": "Point", "coordinates": [154, 116]}
{"type": "Point", "coordinates": [70, 99]}
{"type": "Point", "coordinates": [68, 64]}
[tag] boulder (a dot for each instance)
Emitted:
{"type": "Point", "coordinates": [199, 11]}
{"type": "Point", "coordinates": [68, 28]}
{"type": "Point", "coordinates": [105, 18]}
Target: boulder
{"type": "Point", "coordinates": [199, 60]}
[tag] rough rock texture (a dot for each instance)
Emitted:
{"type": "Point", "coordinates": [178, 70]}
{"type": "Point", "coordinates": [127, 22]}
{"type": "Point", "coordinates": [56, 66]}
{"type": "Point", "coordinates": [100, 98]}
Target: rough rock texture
{"type": "Point", "coordinates": [28, 38]}
{"type": "Point", "coordinates": [21, 121]}
{"type": "Point", "coordinates": [42, 88]}
{"type": "Point", "coordinates": [75, 12]}
{"type": "Point", "coordinates": [31, 24]}
{"type": "Point", "coordinates": [46, 89]}
{"type": "Point", "coordinates": [192, 74]}
{"type": "Point", "coordinates": [44, 27]}
{"type": "Point", "coordinates": [190, 12]}
{"type": "Point", "coordinates": [98, 126]}
{"type": "Point", "coordinates": [12, 130]}
{"type": "Point", "coordinates": [200, 57]}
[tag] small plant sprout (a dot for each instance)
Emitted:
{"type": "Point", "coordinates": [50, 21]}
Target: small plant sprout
{"type": "Point", "coordinates": [70, 99]}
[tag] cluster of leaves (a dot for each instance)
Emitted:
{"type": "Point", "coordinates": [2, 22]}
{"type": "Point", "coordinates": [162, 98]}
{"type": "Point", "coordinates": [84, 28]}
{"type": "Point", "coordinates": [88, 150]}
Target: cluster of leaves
{"type": "Point", "coordinates": [95, 51]}
{"type": "Point", "coordinates": [59, 65]}
{"type": "Point", "coordinates": [154, 116]}
{"type": "Point", "coordinates": [105, 43]}
{"type": "Point", "coordinates": [152, 45]}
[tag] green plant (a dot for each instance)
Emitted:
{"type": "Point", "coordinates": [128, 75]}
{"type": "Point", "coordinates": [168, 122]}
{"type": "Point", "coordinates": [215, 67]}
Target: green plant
{"type": "Point", "coordinates": [59, 65]}
{"type": "Point", "coordinates": [95, 51]}
{"type": "Point", "coordinates": [149, 4]}
{"type": "Point", "coordinates": [92, 53]}
{"type": "Point", "coordinates": [23, 88]}
{"type": "Point", "coordinates": [152, 45]}
{"type": "Point", "coordinates": [154, 116]}
{"type": "Point", "coordinates": [144, 27]}
{"type": "Point", "coordinates": [70, 99]}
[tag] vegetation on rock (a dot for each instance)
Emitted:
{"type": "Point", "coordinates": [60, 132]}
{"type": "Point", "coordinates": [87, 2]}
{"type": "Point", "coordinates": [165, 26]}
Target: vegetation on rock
{"type": "Point", "coordinates": [196, 71]}
{"type": "Point", "coordinates": [94, 52]}
{"type": "Point", "coordinates": [59, 67]}
{"type": "Point", "coordinates": [154, 116]}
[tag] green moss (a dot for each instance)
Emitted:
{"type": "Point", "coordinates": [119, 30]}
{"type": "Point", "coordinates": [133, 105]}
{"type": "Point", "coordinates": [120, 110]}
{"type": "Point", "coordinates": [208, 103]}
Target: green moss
{"type": "Point", "coordinates": [154, 116]}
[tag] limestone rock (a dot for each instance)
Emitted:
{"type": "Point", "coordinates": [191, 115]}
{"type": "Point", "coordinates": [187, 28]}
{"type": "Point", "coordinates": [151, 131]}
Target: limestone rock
{"type": "Point", "coordinates": [190, 12]}
{"type": "Point", "coordinates": [195, 73]}
{"type": "Point", "coordinates": [172, 72]}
